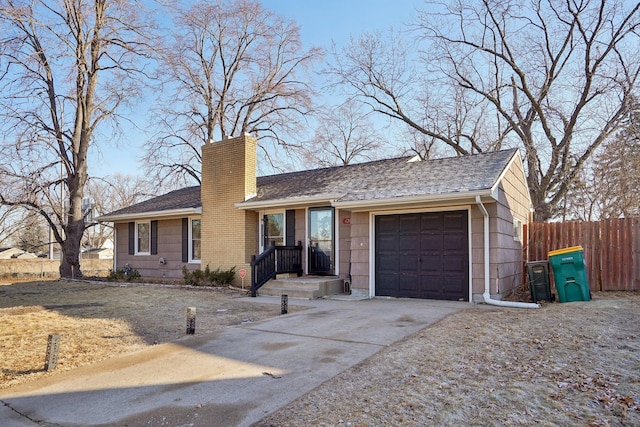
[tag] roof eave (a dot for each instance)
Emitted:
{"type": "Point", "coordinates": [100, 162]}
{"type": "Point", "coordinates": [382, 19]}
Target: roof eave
{"type": "Point", "coordinates": [171, 213]}
{"type": "Point", "coordinates": [412, 200]}
{"type": "Point", "coordinates": [290, 202]}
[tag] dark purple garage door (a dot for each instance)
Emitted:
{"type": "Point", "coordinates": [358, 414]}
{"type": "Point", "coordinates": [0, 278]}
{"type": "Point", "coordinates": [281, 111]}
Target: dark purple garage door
{"type": "Point", "coordinates": [422, 255]}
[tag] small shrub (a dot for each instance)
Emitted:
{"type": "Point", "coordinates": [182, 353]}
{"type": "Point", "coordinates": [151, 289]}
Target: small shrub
{"type": "Point", "coordinates": [192, 278]}
{"type": "Point", "coordinates": [207, 277]}
{"type": "Point", "coordinates": [223, 277]}
{"type": "Point", "coordinates": [126, 274]}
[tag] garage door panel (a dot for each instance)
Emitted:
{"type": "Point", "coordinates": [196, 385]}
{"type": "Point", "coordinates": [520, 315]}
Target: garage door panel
{"type": "Point", "coordinates": [431, 241]}
{"type": "Point", "coordinates": [455, 285]}
{"type": "Point", "coordinates": [408, 223]}
{"type": "Point", "coordinates": [454, 221]}
{"type": "Point", "coordinates": [388, 283]}
{"type": "Point", "coordinates": [409, 243]}
{"type": "Point", "coordinates": [388, 263]}
{"type": "Point", "coordinates": [422, 255]}
{"type": "Point", "coordinates": [454, 264]}
{"type": "Point", "coordinates": [387, 225]}
{"type": "Point", "coordinates": [431, 222]}
{"type": "Point", "coordinates": [408, 284]}
{"type": "Point", "coordinates": [431, 264]}
{"type": "Point", "coordinates": [409, 263]}
{"type": "Point", "coordinates": [387, 243]}
{"type": "Point", "coordinates": [455, 242]}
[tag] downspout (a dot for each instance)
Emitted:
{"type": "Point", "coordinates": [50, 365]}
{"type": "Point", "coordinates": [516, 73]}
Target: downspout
{"type": "Point", "coordinates": [487, 280]}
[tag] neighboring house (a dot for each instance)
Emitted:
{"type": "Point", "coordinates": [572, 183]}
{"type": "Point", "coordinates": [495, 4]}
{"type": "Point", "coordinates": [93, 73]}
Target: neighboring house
{"type": "Point", "coordinates": [398, 227]}
{"type": "Point", "coordinates": [98, 253]}
{"type": "Point", "coordinates": [103, 252]}
{"type": "Point", "coordinates": [15, 253]}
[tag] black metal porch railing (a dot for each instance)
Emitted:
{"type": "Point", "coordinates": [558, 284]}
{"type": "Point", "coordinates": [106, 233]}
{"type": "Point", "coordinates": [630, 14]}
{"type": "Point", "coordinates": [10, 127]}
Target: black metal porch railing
{"type": "Point", "coordinates": [275, 260]}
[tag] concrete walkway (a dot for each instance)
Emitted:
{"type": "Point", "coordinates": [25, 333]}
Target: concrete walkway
{"type": "Point", "coordinates": [231, 378]}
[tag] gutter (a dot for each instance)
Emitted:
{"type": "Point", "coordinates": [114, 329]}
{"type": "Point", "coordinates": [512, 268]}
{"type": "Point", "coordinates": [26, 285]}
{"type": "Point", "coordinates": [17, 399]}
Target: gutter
{"type": "Point", "coordinates": [462, 197]}
{"type": "Point", "coordinates": [487, 280]}
{"type": "Point", "coordinates": [152, 214]}
{"type": "Point", "coordinates": [290, 202]}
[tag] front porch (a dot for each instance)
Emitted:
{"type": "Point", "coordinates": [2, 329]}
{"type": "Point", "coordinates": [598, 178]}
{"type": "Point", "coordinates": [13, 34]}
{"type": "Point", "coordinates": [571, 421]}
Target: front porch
{"type": "Point", "coordinates": [307, 287]}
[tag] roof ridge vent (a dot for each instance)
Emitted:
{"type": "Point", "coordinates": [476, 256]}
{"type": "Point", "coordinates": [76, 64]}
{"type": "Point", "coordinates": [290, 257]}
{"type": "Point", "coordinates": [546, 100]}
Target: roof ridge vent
{"type": "Point", "coordinates": [415, 158]}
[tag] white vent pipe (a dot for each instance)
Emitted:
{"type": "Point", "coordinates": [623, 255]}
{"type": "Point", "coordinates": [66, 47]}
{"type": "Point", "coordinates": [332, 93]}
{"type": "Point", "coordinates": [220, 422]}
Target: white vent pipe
{"type": "Point", "coordinates": [487, 280]}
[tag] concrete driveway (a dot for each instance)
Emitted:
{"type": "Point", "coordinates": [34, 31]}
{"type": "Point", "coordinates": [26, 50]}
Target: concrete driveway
{"type": "Point", "coordinates": [231, 378]}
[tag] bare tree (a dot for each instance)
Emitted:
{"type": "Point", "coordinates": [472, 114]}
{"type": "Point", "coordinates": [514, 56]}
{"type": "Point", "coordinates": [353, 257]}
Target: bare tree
{"type": "Point", "coordinates": [33, 235]}
{"type": "Point", "coordinates": [385, 72]}
{"type": "Point", "coordinates": [583, 199]}
{"type": "Point", "coordinates": [554, 78]}
{"type": "Point", "coordinates": [10, 220]}
{"type": "Point", "coordinates": [345, 135]}
{"type": "Point", "coordinates": [232, 67]}
{"type": "Point", "coordinates": [109, 194]}
{"type": "Point", "coordinates": [615, 178]}
{"type": "Point", "coordinates": [67, 66]}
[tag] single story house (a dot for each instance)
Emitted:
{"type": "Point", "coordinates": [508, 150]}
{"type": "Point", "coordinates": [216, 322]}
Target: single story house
{"type": "Point", "coordinates": [15, 253]}
{"type": "Point", "coordinates": [448, 228]}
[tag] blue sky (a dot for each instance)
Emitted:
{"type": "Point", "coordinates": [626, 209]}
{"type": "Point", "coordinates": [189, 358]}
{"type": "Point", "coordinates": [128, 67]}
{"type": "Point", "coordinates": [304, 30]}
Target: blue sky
{"type": "Point", "coordinates": [321, 22]}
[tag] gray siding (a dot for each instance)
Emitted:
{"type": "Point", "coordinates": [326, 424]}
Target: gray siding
{"type": "Point", "coordinates": [507, 256]}
{"type": "Point", "coordinates": [344, 245]}
{"type": "Point", "coordinates": [360, 253]}
{"type": "Point", "coordinates": [169, 248]}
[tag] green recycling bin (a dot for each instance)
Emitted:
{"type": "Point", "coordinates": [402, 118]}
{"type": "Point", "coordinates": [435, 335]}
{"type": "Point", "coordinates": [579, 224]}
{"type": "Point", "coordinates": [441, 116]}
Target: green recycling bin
{"type": "Point", "coordinates": [570, 274]}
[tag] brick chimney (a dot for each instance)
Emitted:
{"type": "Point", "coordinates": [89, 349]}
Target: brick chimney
{"type": "Point", "coordinates": [229, 234]}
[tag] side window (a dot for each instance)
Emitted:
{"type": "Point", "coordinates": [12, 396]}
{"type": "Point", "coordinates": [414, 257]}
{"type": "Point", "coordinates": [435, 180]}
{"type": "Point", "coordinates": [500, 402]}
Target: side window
{"type": "Point", "coordinates": [143, 238]}
{"type": "Point", "coordinates": [195, 242]}
{"type": "Point", "coordinates": [517, 230]}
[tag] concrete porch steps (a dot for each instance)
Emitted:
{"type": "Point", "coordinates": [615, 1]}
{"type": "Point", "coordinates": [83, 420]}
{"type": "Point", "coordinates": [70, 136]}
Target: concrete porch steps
{"type": "Point", "coordinates": [308, 287]}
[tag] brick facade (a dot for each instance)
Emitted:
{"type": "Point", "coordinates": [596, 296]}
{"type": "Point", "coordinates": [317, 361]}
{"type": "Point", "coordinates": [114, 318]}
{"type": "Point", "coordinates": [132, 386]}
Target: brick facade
{"type": "Point", "coordinates": [229, 234]}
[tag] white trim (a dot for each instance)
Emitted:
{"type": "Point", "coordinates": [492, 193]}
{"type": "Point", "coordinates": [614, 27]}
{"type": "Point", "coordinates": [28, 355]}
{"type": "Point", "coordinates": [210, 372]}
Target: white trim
{"type": "Point", "coordinates": [464, 198]}
{"type": "Point", "coordinates": [470, 253]}
{"type": "Point", "coordinates": [306, 239]}
{"type": "Point", "coordinates": [115, 247]}
{"type": "Point", "coordinates": [136, 246]}
{"type": "Point", "coordinates": [372, 254]}
{"type": "Point", "coordinates": [486, 296]}
{"type": "Point", "coordinates": [336, 241]}
{"type": "Point", "coordinates": [334, 254]}
{"type": "Point", "coordinates": [333, 200]}
{"type": "Point", "coordinates": [518, 230]}
{"type": "Point", "coordinates": [261, 215]}
{"type": "Point", "coordinates": [320, 200]}
{"type": "Point", "coordinates": [494, 188]}
{"type": "Point", "coordinates": [177, 213]}
{"type": "Point", "coordinates": [372, 248]}
{"type": "Point", "coordinates": [191, 260]}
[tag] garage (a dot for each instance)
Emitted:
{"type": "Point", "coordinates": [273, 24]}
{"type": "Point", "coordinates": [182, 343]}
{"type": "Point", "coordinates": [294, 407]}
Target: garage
{"type": "Point", "coordinates": [422, 255]}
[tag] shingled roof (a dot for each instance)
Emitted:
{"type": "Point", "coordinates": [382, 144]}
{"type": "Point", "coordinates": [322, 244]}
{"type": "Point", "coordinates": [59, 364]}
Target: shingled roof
{"type": "Point", "coordinates": [185, 199]}
{"type": "Point", "coordinates": [387, 179]}
{"type": "Point", "coordinates": [390, 179]}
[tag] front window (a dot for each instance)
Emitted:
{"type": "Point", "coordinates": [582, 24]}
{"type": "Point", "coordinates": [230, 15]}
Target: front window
{"type": "Point", "coordinates": [143, 238]}
{"type": "Point", "coordinates": [194, 248]}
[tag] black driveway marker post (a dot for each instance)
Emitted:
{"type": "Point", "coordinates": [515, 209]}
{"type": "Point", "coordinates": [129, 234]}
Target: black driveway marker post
{"type": "Point", "coordinates": [191, 320]}
{"type": "Point", "coordinates": [284, 306]}
{"type": "Point", "coordinates": [53, 347]}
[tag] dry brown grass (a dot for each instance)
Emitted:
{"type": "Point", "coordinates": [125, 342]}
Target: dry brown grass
{"type": "Point", "coordinates": [99, 320]}
{"type": "Point", "coordinates": [573, 364]}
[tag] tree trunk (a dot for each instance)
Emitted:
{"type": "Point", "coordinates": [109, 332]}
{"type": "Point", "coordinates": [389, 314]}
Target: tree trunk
{"type": "Point", "coordinates": [74, 229]}
{"type": "Point", "coordinates": [70, 262]}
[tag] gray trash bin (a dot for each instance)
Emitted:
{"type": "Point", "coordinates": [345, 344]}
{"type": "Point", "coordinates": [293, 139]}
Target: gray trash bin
{"type": "Point", "coordinates": [539, 282]}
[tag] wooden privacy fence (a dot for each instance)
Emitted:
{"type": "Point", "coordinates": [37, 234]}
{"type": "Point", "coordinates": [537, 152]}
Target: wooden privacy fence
{"type": "Point", "coordinates": [611, 249]}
